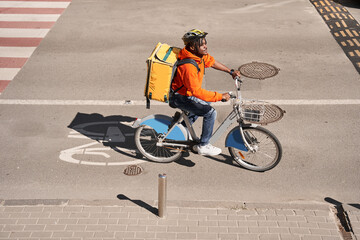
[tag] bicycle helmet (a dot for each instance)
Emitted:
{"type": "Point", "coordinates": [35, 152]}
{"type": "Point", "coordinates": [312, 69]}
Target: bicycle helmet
{"type": "Point", "coordinates": [193, 35]}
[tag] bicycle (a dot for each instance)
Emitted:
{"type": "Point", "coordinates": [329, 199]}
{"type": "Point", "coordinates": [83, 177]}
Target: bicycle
{"type": "Point", "coordinates": [161, 138]}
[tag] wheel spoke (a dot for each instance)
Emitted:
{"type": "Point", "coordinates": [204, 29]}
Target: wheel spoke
{"type": "Point", "coordinates": [267, 150]}
{"type": "Point", "coordinates": [146, 140]}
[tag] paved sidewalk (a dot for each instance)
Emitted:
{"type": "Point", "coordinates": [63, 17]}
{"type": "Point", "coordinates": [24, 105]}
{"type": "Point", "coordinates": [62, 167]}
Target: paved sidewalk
{"type": "Point", "coordinates": [353, 214]}
{"type": "Point", "coordinates": [136, 219]}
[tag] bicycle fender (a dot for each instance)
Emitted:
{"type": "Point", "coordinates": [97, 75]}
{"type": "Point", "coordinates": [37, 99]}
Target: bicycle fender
{"type": "Point", "coordinates": [235, 140]}
{"type": "Point", "coordinates": [160, 123]}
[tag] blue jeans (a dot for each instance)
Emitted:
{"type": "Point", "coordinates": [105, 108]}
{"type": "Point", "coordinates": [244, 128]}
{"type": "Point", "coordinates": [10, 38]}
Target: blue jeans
{"type": "Point", "coordinates": [197, 108]}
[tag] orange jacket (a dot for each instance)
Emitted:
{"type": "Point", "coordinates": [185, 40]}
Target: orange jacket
{"type": "Point", "coordinates": [188, 75]}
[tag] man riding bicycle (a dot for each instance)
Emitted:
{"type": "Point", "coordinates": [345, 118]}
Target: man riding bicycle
{"type": "Point", "coordinates": [190, 96]}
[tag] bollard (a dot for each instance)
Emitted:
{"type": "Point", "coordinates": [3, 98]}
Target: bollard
{"type": "Point", "coordinates": [162, 196]}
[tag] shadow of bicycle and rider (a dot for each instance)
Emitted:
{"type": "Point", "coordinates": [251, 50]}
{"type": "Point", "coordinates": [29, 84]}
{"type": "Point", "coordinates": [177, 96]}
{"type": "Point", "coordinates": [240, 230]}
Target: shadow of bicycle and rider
{"type": "Point", "coordinates": [117, 133]}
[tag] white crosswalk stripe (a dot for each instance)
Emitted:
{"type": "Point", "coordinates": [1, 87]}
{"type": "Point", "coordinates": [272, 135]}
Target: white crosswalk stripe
{"type": "Point", "coordinates": [22, 26]}
{"type": "Point", "coordinates": [23, 33]}
{"type": "Point", "coordinates": [29, 17]}
{"type": "Point", "coordinates": [16, 52]}
{"type": "Point", "coordinates": [29, 4]}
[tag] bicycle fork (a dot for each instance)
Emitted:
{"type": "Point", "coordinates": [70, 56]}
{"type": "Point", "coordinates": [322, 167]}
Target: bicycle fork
{"type": "Point", "coordinates": [246, 137]}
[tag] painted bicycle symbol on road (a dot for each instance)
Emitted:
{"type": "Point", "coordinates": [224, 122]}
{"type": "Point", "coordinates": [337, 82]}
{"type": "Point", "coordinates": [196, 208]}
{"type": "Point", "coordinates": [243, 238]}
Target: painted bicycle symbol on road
{"type": "Point", "coordinates": [112, 139]}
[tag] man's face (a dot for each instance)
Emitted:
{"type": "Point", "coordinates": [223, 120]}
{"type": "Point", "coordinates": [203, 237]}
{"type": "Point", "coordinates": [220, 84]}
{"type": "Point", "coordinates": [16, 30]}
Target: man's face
{"type": "Point", "coordinates": [202, 50]}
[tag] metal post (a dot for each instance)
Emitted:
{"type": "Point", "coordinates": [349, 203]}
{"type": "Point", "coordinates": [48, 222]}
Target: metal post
{"type": "Point", "coordinates": [162, 195]}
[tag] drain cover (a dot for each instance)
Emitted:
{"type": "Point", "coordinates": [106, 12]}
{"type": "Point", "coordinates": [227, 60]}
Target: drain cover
{"type": "Point", "coordinates": [133, 170]}
{"type": "Point", "coordinates": [258, 70]}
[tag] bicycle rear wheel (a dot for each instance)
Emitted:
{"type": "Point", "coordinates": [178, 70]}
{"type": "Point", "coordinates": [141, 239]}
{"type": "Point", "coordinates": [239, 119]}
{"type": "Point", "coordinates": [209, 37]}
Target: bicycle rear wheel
{"type": "Point", "coordinates": [146, 139]}
{"type": "Point", "coordinates": [267, 154]}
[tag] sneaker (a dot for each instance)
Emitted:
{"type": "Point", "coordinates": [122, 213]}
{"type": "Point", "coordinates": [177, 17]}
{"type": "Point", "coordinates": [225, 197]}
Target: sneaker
{"type": "Point", "coordinates": [208, 149]}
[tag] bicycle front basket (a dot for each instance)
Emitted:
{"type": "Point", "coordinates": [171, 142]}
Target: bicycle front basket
{"type": "Point", "coordinates": [260, 112]}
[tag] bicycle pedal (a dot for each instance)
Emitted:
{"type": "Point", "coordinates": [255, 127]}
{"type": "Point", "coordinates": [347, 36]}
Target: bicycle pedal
{"type": "Point", "coordinates": [175, 119]}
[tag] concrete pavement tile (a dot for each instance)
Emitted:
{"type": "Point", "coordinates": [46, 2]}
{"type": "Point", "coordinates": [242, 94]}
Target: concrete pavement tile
{"type": "Point", "coordinates": [330, 238]}
{"type": "Point", "coordinates": [184, 235]}
{"type": "Point", "coordinates": [300, 231]}
{"type": "Point", "coordinates": [145, 235]}
{"type": "Point", "coordinates": [104, 235]}
{"type": "Point", "coordinates": [110, 215]}
{"type": "Point", "coordinates": [309, 237]}
{"type": "Point", "coordinates": [41, 235]}
{"type": "Point", "coordinates": [289, 237]}
{"type": "Point", "coordinates": [95, 228]}
{"type": "Point", "coordinates": [165, 235]}
{"type": "Point", "coordinates": [189, 223]}
{"type": "Point", "coordinates": [279, 230]}
{"type": "Point", "coordinates": [228, 223]}
{"type": "Point", "coordinates": [62, 234]}
{"type": "Point", "coordinates": [238, 230]}
{"type": "Point", "coordinates": [28, 221]}
{"type": "Point", "coordinates": [55, 227]}
{"type": "Point", "coordinates": [217, 229]}
{"type": "Point", "coordinates": [19, 215]}
{"type": "Point", "coordinates": [258, 230]}
{"type": "Point", "coordinates": [269, 237]}
{"type": "Point", "coordinates": [34, 227]}
{"type": "Point", "coordinates": [207, 236]}
{"type": "Point", "coordinates": [207, 223]}
{"type": "Point", "coordinates": [317, 231]}
{"type": "Point", "coordinates": [89, 221]}
{"type": "Point", "coordinates": [13, 209]}
{"type": "Point", "coordinates": [105, 221]}
{"type": "Point", "coordinates": [316, 219]}
{"type": "Point", "coordinates": [197, 229]}
{"type": "Point", "coordinates": [248, 236]}
{"type": "Point", "coordinates": [40, 215]}
{"type": "Point", "coordinates": [116, 228]}
{"type": "Point", "coordinates": [177, 229]}
{"type": "Point", "coordinates": [84, 234]}
{"type": "Point", "coordinates": [295, 218]}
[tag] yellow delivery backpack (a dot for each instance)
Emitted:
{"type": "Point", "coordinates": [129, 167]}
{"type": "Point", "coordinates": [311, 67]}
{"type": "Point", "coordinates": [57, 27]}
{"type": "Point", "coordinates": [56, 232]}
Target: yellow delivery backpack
{"type": "Point", "coordinates": [162, 65]}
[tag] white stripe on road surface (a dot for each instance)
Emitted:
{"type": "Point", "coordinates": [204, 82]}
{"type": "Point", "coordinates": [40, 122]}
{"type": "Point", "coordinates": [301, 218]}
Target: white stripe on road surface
{"type": "Point", "coordinates": [23, 33]}
{"type": "Point", "coordinates": [8, 73]}
{"type": "Point", "coordinates": [20, 52]}
{"type": "Point", "coordinates": [23, 4]}
{"type": "Point", "coordinates": [143, 103]}
{"type": "Point", "coordinates": [29, 17]}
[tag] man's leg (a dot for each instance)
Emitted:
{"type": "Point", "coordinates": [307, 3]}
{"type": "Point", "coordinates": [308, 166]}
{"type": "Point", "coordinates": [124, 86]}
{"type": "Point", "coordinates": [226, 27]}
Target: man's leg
{"type": "Point", "coordinates": [197, 107]}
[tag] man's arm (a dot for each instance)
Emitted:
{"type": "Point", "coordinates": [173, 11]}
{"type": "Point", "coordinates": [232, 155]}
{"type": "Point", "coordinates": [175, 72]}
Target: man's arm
{"type": "Point", "coordinates": [219, 66]}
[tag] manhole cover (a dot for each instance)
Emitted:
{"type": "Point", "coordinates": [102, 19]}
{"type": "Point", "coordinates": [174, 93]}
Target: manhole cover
{"type": "Point", "coordinates": [258, 70]}
{"type": "Point", "coordinates": [133, 170]}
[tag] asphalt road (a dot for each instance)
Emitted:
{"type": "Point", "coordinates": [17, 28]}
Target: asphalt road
{"type": "Point", "coordinates": [52, 146]}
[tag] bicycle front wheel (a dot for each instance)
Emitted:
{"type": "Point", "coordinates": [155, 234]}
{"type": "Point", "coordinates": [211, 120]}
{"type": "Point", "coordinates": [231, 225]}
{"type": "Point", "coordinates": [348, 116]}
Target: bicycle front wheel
{"type": "Point", "coordinates": [146, 139]}
{"type": "Point", "coordinates": [267, 150]}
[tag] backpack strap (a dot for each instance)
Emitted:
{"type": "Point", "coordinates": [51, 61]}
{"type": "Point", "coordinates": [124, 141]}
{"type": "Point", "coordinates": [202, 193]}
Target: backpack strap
{"type": "Point", "coordinates": [188, 60]}
{"type": "Point", "coordinates": [182, 62]}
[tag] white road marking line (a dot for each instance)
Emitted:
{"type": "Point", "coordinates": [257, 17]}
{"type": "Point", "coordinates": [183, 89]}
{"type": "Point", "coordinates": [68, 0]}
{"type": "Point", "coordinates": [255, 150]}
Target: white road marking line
{"type": "Point", "coordinates": [143, 102]}
{"type": "Point", "coordinates": [23, 33]}
{"type": "Point", "coordinates": [21, 52]}
{"type": "Point", "coordinates": [24, 4]}
{"type": "Point", "coordinates": [8, 73]}
{"type": "Point", "coordinates": [29, 17]}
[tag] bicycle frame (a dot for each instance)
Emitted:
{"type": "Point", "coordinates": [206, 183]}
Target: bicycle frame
{"type": "Point", "coordinates": [230, 119]}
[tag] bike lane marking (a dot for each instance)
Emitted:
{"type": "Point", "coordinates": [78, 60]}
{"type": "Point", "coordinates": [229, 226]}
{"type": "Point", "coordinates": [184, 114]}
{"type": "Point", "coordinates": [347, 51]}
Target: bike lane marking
{"type": "Point", "coordinates": [88, 154]}
{"type": "Point", "coordinates": [23, 24]}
